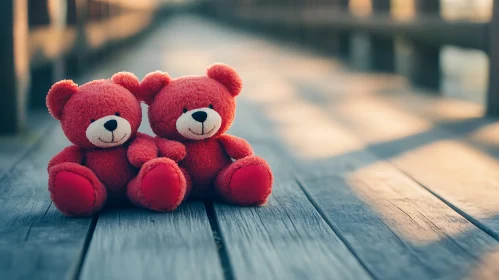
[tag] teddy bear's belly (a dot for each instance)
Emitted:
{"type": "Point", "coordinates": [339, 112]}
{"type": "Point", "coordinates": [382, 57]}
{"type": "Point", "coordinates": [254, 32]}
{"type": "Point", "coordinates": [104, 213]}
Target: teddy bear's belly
{"type": "Point", "coordinates": [112, 168]}
{"type": "Point", "coordinates": [203, 162]}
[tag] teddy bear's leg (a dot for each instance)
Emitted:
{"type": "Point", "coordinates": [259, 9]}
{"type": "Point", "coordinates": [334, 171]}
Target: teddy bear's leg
{"type": "Point", "coordinates": [75, 190]}
{"type": "Point", "coordinates": [247, 181]}
{"type": "Point", "coordinates": [159, 186]}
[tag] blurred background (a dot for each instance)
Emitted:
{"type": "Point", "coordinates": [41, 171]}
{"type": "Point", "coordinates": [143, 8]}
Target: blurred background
{"type": "Point", "coordinates": [441, 46]}
{"type": "Point", "coordinates": [378, 118]}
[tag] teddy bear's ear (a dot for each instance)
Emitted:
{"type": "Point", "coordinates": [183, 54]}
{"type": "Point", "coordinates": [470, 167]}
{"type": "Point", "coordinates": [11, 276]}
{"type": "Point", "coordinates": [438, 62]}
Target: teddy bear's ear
{"type": "Point", "coordinates": [128, 81]}
{"type": "Point", "coordinates": [59, 95]}
{"type": "Point", "coordinates": [227, 76]}
{"type": "Point", "coordinates": [152, 84]}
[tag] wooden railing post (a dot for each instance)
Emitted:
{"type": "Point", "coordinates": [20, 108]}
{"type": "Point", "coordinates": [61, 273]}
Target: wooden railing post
{"type": "Point", "coordinates": [425, 59]}
{"type": "Point", "coordinates": [15, 64]}
{"type": "Point", "coordinates": [327, 38]}
{"type": "Point", "coordinates": [43, 76]}
{"type": "Point", "coordinates": [493, 92]}
{"type": "Point", "coordinates": [77, 18]}
{"type": "Point", "coordinates": [344, 38]}
{"type": "Point", "coordinates": [382, 49]}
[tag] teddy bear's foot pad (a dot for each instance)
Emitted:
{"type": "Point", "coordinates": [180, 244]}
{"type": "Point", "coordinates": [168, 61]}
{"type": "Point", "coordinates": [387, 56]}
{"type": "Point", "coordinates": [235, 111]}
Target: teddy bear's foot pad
{"type": "Point", "coordinates": [73, 194]}
{"type": "Point", "coordinates": [160, 186]}
{"type": "Point", "coordinates": [246, 182]}
{"type": "Point", "coordinates": [75, 190]}
{"type": "Point", "coordinates": [251, 185]}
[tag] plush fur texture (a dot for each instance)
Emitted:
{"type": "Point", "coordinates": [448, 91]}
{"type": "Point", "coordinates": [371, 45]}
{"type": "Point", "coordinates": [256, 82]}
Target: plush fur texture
{"type": "Point", "coordinates": [216, 162]}
{"type": "Point", "coordinates": [89, 174]}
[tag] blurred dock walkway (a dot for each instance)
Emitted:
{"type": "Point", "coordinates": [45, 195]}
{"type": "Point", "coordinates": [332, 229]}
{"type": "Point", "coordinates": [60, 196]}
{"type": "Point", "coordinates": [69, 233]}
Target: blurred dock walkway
{"type": "Point", "coordinates": [373, 180]}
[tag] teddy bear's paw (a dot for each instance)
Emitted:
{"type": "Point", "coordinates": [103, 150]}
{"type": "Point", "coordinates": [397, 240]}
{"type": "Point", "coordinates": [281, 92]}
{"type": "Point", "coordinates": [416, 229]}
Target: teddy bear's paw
{"type": "Point", "coordinates": [251, 185]}
{"type": "Point", "coordinates": [75, 194]}
{"type": "Point", "coordinates": [246, 182]}
{"type": "Point", "coordinates": [160, 186]}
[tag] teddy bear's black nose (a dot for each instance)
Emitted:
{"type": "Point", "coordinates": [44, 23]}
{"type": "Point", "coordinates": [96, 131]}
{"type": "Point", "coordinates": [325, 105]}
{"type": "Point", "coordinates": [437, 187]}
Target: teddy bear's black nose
{"type": "Point", "coordinates": [199, 116]}
{"type": "Point", "coordinates": [111, 125]}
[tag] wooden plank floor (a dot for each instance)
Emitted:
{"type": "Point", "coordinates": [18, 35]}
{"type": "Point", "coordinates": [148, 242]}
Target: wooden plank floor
{"type": "Point", "coordinates": [372, 181]}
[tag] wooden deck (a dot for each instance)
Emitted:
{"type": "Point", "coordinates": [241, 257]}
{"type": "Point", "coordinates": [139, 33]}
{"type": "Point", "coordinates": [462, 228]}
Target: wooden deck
{"type": "Point", "coordinates": [373, 180]}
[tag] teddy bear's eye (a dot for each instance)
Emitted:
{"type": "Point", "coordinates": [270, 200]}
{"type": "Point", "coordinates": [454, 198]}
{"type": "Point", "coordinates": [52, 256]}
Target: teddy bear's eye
{"type": "Point", "coordinates": [210, 106]}
{"type": "Point", "coordinates": [185, 110]}
{"type": "Point", "coordinates": [117, 114]}
{"type": "Point", "coordinates": [92, 120]}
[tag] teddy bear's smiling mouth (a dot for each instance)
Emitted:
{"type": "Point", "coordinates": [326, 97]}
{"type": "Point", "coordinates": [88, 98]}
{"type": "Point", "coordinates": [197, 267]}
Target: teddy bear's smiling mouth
{"type": "Point", "coordinates": [203, 133]}
{"type": "Point", "coordinates": [112, 140]}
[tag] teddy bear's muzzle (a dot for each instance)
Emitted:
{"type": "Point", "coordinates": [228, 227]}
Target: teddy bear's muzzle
{"type": "Point", "coordinates": [198, 124]}
{"type": "Point", "coordinates": [109, 131]}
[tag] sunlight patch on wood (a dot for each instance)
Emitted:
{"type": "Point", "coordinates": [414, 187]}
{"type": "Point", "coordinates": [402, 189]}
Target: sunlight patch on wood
{"type": "Point", "coordinates": [462, 173]}
{"type": "Point", "coordinates": [276, 91]}
{"type": "Point", "coordinates": [309, 132]}
{"type": "Point", "coordinates": [404, 207]}
{"type": "Point", "coordinates": [454, 109]}
{"type": "Point", "coordinates": [488, 135]}
{"type": "Point", "coordinates": [435, 107]}
{"type": "Point", "coordinates": [379, 121]}
{"type": "Point", "coordinates": [486, 267]}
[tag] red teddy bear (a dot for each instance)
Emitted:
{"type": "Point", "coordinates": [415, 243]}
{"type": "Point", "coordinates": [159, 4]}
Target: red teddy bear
{"type": "Point", "coordinates": [101, 119]}
{"type": "Point", "coordinates": [197, 111]}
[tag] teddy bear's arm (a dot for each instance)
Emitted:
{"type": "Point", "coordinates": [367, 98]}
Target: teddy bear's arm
{"type": "Point", "coordinates": [171, 149]}
{"type": "Point", "coordinates": [235, 147]}
{"type": "Point", "coordinates": [141, 150]}
{"type": "Point", "coordinates": [69, 154]}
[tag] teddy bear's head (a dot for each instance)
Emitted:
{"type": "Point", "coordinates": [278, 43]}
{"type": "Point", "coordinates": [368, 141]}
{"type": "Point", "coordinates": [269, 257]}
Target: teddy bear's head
{"type": "Point", "coordinates": [101, 113]}
{"type": "Point", "coordinates": [192, 107]}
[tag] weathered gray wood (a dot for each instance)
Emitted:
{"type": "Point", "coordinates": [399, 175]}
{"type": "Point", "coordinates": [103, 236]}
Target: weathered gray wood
{"type": "Point", "coordinates": [464, 146]}
{"type": "Point", "coordinates": [449, 159]}
{"type": "Point", "coordinates": [139, 244]}
{"type": "Point", "coordinates": [460, 142]}
{"type": "Point", "coordinates": [394, 226]}
{"type": "Point", "coordinates": [397, 230]}
{"type": "Point", "coordinates": [36, 241]}
{"type": "Point", "coordinates": [385, 216]}
{"type": "Point", "coordinates": [13, 148]}
{"type": "Point", "coordinates": [285, 239]}
{"type": "Point", "coordinates": [493, 47]}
